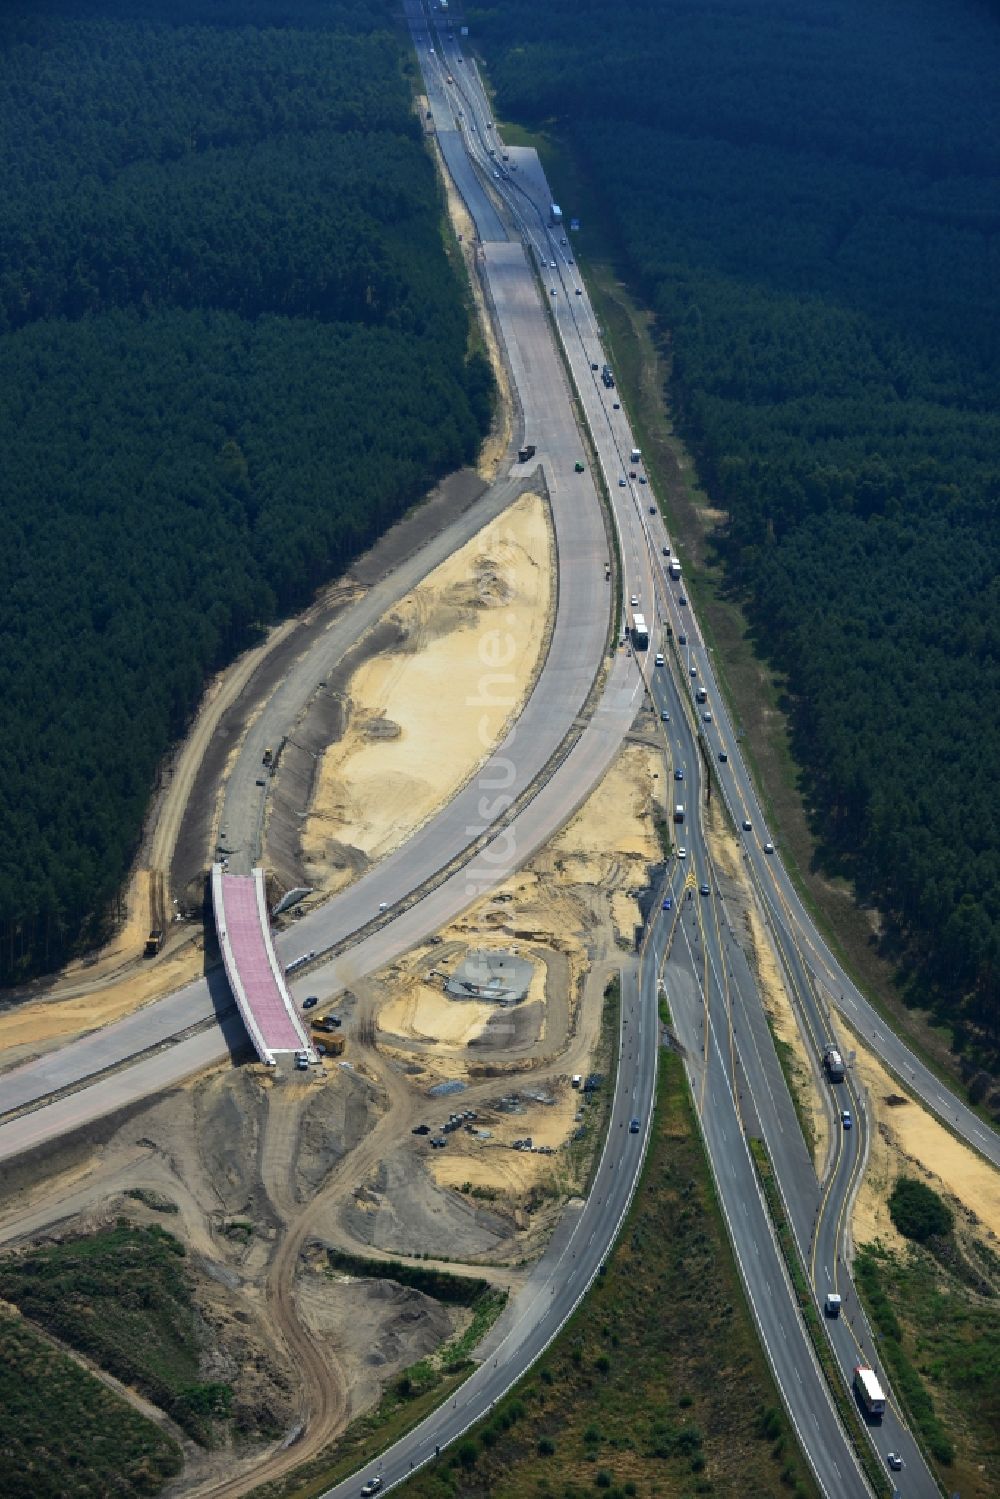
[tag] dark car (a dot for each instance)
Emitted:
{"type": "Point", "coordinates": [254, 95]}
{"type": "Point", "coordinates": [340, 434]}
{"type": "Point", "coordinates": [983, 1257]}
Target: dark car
{"type": "Point", "coordinates": [308, 1004]}
{"type": "Point", "coordinates": [682, 600]}
{"type": "Point", "coordinates": [668, 904]}
{"type": "Point", "coordinates": [633, 1127]}
{"type": "Point", "coordinates": [682, 639]}
{"type": "Point", "coordinates": [723, 756]}
{"type": "Point", "coordinates": [704, 890]}
{"type": "Point", "coordinates": [652, 508]}
{"type": "Point", "coordinates": [678, 774]}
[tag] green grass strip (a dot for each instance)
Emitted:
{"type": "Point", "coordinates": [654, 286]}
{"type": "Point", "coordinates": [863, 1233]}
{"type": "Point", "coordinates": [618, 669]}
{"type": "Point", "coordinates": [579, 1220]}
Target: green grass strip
{"type": "Point", "coordinates": [831, 1372]}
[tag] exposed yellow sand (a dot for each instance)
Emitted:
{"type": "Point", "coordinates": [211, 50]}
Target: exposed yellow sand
{"type": "Point", "coordinates": [424, 715]}
{"type": "Point", "coordinates": [785, 1026]}
{"type": "Point", "coordinates": [494, 449]}
{"type": "Point", "coordinates": [34, 1027]}
{"type": "Point", "coordinates": [423, 1013]}
{"type": "Point", "coordinates": [616, 819]}
{"type": "Point", "coordinates": [909, 1140]}
{"type": "Point", "coordinates": [726, 853]}
{"type": "Point", "coordinates": [493, 1164]}
{"type": "Point", "coordinates": [511, 1172]}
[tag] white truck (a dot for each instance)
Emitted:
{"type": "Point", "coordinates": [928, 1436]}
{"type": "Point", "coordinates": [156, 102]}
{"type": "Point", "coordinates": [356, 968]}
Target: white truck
{"type": "Point", "coordinates": [869, 1392]}
{"type": "Point", "coordinates": [678, 812]}
{"type": "Point", "coordinates": [834, 1064]}
{"type": "Point", "coordinates": [674, 568]}
{"type": "Point", "coordinates": [640, 631]}
{"type": "Point", "coordinates": [832, 1304]}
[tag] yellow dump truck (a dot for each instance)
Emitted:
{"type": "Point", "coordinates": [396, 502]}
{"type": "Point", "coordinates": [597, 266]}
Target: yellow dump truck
{"type": "Point", "coordinates": [332, 1046]}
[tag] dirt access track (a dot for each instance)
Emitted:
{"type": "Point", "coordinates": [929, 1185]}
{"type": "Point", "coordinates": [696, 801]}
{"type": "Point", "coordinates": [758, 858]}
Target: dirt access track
{"type": "Point", "coordinates": [257, 1172]}
{"type": "Point", "coordinates": [413, 720]}
{"type": "Point", "coordinates": [103, 987]}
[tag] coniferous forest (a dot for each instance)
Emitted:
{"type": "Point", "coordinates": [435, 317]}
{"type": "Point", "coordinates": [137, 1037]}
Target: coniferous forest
{"type": "Point", "coordinates": [232, 351]}
{"type": "Point", "coordinates": [806, 195]}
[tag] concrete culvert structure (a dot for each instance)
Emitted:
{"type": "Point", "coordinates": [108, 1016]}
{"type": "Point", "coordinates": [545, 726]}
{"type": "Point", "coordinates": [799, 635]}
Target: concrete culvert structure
{"type": "Point", "coordinates": [499, 976]}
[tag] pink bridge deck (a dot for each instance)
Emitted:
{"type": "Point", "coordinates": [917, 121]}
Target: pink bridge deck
{"type": "Point", "coordinates": [252, 967]}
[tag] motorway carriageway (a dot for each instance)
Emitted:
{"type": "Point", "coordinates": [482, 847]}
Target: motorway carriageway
{"type": "Point", "coordinates": [748, 1034]}
{"type": "Point", "coordinates": [593, 751]}
{"type": "Point", "coordinates": [575, 653]}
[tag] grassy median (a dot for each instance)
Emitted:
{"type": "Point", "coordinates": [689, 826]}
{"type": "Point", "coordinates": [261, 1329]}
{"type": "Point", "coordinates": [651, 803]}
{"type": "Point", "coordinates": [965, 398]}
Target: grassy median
{"type": "Point", "coordinates": [657, 1386]}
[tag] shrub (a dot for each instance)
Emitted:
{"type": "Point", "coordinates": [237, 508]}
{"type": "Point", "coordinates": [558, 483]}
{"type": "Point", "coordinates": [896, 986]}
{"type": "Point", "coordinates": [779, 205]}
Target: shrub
{"type": "Point", "coordinates": [918, 1212]}
{"type": "Point", "coordinates": [468, 1452]}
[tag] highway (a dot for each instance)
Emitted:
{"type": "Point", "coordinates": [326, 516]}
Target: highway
{"type": "Point", "coordinates": [731, 1003]}
{"type": "Point", "coordinates": [474, 821]}
{"type": "Point", "coordinates": [532, 783]}
{"type": "Point", "coordinates": [786, 912]}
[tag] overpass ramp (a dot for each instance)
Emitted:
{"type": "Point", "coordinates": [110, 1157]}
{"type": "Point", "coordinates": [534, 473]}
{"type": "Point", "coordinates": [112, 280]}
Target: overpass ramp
{"type": "Point", "coordinates": [252, 967]}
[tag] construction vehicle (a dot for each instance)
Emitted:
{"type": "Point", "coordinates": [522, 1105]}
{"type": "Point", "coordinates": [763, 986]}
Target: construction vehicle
{"type": "Point", "coordinates": [268, 757]}
{"type": "Point", "coordinates": [578, 466]}
{"type": "Point", "coordinates": [157, 915]}
{"type": "Point", "coordinates": [331, 1046]}
{"type": "Point", "coordinates": [528, 451]}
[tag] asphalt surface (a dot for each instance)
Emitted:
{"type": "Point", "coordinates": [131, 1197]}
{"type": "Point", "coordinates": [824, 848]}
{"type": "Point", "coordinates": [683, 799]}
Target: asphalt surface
{"type": "Point", "coordinates": [728, 1051]}
{"type": "Point", "coordinates": [564, 1277]}
{"type": "Point", "coordinates": [756, 1085]}
{"type": "Point", "coordinates": [243, 799]}
{"type": "Point", "coordinates": [575, 654]}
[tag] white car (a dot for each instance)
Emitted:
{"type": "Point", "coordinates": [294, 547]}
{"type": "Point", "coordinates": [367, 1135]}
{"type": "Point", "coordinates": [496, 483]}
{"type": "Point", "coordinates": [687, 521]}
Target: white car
{"type": "Point", "coordinates": [634, 601]}
{"type": "Point", "coordinates": [682, 852]}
